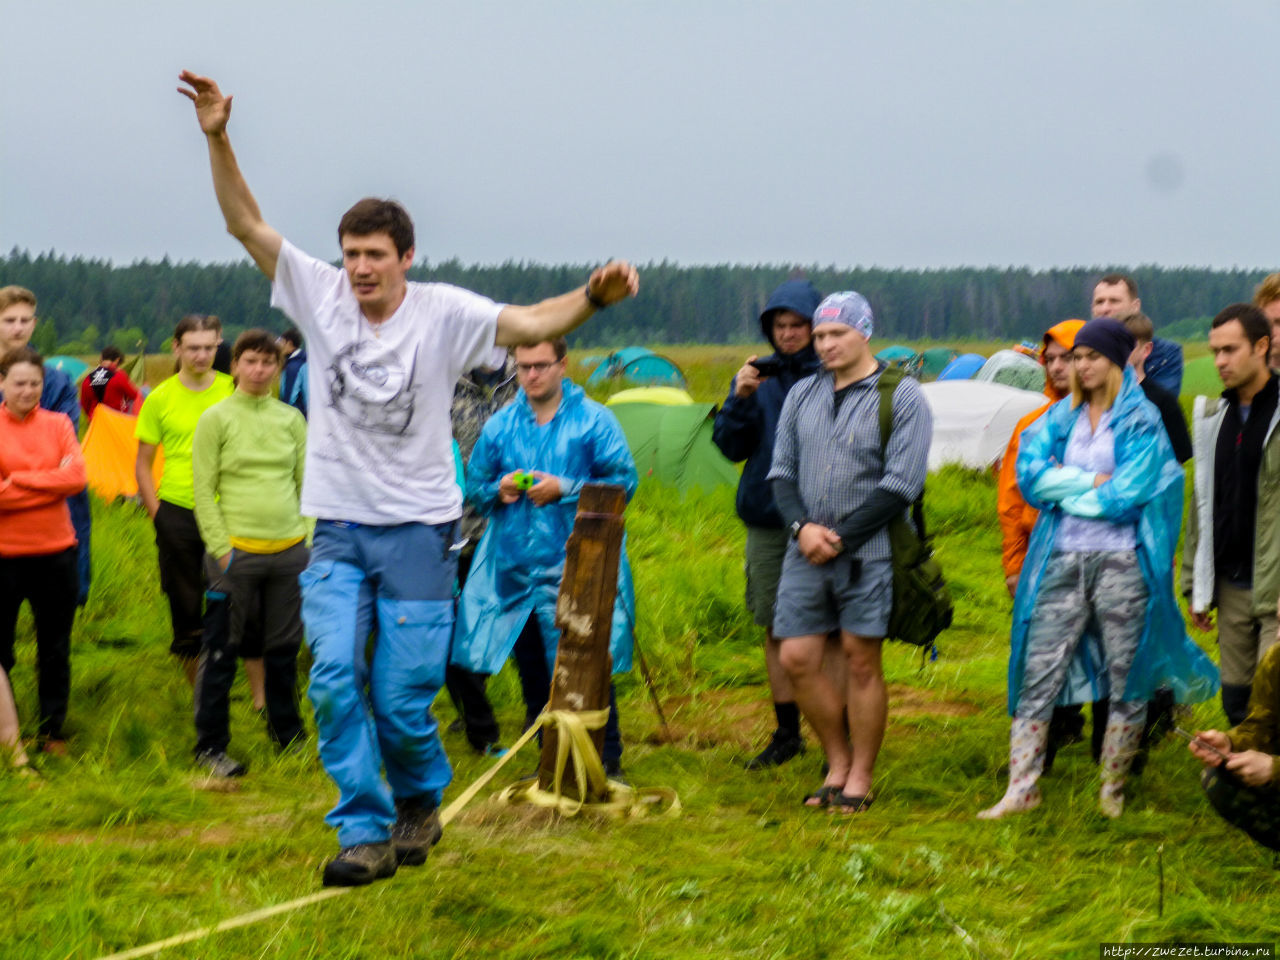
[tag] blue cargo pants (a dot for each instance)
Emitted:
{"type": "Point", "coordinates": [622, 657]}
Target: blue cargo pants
{"type": "Point", "coordinates": [372, 707]}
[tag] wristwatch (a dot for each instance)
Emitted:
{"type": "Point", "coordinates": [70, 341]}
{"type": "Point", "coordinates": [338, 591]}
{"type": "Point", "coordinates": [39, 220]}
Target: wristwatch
{"type": "Point", "coordinates": [796, 527]}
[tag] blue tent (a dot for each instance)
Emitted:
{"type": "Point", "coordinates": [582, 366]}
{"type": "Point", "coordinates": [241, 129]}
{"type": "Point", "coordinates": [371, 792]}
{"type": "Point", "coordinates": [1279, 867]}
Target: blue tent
{"type": "Point", "coordinates": [963, 367]}
{"type": "Point", "coordinates": [637, 366]}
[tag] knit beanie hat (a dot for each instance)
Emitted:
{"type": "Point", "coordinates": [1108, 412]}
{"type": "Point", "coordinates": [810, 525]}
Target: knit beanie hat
{"type": "Point", "coordinates": [1109, 337]}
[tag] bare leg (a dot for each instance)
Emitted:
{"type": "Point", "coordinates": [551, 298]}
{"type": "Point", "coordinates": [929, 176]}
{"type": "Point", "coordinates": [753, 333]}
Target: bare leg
{"type": "Point", "coordinates": [819, 700]}
{"type": "Point", "coordinates": [10, 736]}
{"type": "Point", "coordinates": [189, 669]}
{"type": "Point", "coordinates": [257, 677]}
{"type": "Point", "coordinates": [868, 709]}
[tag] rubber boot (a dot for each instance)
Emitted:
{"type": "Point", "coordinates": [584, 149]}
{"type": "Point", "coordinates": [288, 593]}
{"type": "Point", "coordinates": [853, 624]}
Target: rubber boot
{"type": "Point", "coordinates": [1027, 742]}
{"type": "Point", "coordinates": [1119, 745]}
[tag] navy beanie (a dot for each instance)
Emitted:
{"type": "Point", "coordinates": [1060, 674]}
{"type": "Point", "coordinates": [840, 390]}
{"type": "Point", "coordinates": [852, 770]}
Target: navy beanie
{"type": "Point", "coordinates": [1109, 337]}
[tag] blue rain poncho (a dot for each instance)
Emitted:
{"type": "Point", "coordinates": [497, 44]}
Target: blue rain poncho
{"type": "Point", "coordinates": [1145, 489]}
{"type": "Point", "coordinates": [520, 560]}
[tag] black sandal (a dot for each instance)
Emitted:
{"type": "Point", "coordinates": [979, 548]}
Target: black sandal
{"type": "Point", "coordinates": [824, 795]}
{"type": "Point", "coordinates": [847, 805]}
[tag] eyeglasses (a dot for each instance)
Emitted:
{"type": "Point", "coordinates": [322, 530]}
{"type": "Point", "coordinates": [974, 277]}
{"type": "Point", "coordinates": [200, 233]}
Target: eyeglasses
{"type": "Point", "coordinates": [536, 367]}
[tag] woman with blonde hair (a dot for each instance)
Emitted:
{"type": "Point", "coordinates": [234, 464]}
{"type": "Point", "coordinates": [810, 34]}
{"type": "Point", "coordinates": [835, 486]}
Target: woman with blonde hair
{"type": "Point", "coordinates": [1101, 470]}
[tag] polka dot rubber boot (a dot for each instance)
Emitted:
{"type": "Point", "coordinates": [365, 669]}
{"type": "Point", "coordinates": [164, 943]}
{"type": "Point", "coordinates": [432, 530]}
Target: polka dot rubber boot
{"type": "Point", "coordinates": [1027, 742]}
{"type": "Point", "coordinates": [1119, 746]}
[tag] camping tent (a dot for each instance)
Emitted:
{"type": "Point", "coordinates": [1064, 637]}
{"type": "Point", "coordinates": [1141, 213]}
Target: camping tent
{"type": "Point", "coordinates": [900, 356]}
{"type": "Point", "coordinates": [973, 420]}
{"type": "Point", "coordinates": [636, 365]}
{"type": "Point", "coordinates": [73, 368]}
{"type": "Point", "coordinates": [934, 360]}
{"type": "Point", "coordinates": [110, 450]}
{"type": "Point", "coordinates": [1012, 369]}
{"type": "Point", "coordinates": [963, 367]}
{"type": "Point", "coordinates": [670, 438]}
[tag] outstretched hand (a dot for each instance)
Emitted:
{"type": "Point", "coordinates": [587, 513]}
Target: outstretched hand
{"type": "Point", "coordinates": [615, 281]}
{"type": "Point", "coordinates": [213, 110]}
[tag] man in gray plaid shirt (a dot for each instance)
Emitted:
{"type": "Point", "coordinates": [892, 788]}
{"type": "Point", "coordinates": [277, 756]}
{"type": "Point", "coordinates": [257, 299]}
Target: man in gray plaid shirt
{"type": "Point", "coordinates": [837, 494]}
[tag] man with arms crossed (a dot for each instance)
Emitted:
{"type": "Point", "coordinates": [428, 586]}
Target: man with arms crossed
{"type": "Point", "coordinates": [837, 494]}
{"type": "Point", "coordinates": [384, 355]}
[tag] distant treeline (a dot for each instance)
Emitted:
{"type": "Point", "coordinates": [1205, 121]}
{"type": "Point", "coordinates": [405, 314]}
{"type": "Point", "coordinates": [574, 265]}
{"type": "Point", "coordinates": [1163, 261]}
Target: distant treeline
{"type": "Point", "coordinates": [86, 304]}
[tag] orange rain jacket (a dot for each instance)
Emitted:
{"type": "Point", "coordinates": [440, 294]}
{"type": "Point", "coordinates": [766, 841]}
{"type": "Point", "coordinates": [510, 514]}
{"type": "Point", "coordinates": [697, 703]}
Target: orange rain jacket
{"type": "Point", "coordinates": [1016, 518]}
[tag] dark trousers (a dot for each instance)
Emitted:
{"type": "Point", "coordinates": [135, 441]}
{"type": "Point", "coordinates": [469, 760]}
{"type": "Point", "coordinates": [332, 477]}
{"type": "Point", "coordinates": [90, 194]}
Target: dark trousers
{"type": "Point", "coordinates": [49, 583]}
{"type": "Point", "coordinates": [466, 689]}
{"type": "Point", "coordinates": [258, 597]}
{"type": "Point", "coordinates": [1255, 810]}
{"type": "Point", "coordinates": [535, 685]}
{"type": "Point", "coordinates": [181, 557]}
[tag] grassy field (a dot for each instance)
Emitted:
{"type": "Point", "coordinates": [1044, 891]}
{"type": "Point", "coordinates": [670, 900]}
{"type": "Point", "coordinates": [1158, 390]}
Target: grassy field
{"type": "Point", "coordinates": [123, 842]}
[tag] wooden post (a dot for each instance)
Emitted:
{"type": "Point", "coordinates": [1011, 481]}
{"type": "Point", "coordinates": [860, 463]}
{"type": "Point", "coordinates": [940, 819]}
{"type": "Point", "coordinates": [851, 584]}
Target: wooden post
{"type": "Point", "coordinates": [584, 614]}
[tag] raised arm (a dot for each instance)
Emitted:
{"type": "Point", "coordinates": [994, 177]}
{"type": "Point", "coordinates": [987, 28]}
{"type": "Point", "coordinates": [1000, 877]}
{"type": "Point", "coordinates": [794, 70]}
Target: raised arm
{"type": "Point", "coordinates": [239, 209]}
{"type": "Point", "coordinates": [556, 316]}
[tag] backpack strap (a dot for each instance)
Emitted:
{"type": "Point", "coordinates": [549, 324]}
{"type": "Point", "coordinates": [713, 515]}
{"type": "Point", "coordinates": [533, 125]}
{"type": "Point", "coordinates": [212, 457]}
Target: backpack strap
{"type": "Point", "coordinates": [890, 377]}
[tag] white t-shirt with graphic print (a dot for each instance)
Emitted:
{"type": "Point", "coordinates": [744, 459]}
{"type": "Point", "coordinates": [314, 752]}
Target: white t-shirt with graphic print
{"type": "Point", "coordinates": [378, 438]}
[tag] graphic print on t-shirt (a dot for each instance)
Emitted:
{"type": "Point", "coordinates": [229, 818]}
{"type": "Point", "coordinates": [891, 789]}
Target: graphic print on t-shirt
{"type": "Point", "coordinates": [370, 388]}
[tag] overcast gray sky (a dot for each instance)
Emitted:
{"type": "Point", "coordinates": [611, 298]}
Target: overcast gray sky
{"type": "Point", "coordinates": [892, 133]}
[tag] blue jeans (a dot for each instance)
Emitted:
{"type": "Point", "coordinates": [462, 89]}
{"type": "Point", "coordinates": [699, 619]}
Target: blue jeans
{"type": "Point", "coordinates": [372, 712]}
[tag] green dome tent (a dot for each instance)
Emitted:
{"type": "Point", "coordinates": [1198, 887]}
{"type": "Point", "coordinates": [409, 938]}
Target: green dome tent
{"type": "Point", "coordinates": [636, 366]}
{"type": "Point", "coordinates": [671, 441]}
{"type": "Point", "coordinates": [934, 360]}
{"type": "Point", "coordinates": [73, 368]}
{"type": "Point", "coordinates": [900, 356]}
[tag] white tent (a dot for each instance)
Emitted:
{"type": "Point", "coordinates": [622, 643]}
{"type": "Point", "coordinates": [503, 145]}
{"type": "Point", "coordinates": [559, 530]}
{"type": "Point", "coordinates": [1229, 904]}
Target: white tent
{"type": "Point", "coordinates": [973, 420]}
{"type": "Point", "coordinates": [1014, 368]}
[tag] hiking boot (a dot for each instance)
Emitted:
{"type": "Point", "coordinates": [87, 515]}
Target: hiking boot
{"type": "Point", "coordinates": [783, 747]}
{"type": "Point", "coordinates": [219, 764]}
{"type": "Point", "coordinates": [417, 830]}
{"type": "Point", "coordinates": [359, 864]}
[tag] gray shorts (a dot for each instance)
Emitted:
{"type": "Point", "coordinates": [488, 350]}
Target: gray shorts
{"type": "Point", "coordinates": [765, 550]}
{"type": "Point", "coordinates": [817, 599]}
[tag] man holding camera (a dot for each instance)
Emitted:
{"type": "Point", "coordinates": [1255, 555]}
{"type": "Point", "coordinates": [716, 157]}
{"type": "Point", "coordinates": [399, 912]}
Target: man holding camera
{"type": "Point", "coordinates": [744, 430]}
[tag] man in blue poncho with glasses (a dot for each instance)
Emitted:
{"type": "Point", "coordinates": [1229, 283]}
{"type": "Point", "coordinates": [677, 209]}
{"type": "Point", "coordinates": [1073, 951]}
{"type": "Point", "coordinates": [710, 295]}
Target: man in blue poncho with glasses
{"type": "Point", "coordinates": [553, 434]}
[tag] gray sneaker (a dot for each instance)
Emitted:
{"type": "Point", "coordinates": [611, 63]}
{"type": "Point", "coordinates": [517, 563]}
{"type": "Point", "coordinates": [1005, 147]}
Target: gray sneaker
{"type": "Point", "coordinates": [359, 864]}
{"type": "Point", "coordinates": [417, 830]}
{"type": "Point", "coordinates": [220, 765]}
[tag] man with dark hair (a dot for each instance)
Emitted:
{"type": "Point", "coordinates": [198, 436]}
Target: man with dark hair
{"type": "Point", "coordinates": [1231, 557]}
{"type": "Point", "coordinates": [17, 324]}
{"type": "Point", "coordinates": [1175, 424]}
{"type": "Point", "coordinates": [293, 378]}
{"type": "Point", "coordinates": [107, 384]}
{"type": "Point", "coordinates": [247, 458]}
{"type": "Point", "coordinates": [744, 430]}
{"type": "Point", "coordinates": [381, 480]}
{"type": "Point", "coordinates": [555, 433]}
{"type": "Point", "coordinates": [1116, 296]}
{"type": "Point", "coordinates": [1267, 299]}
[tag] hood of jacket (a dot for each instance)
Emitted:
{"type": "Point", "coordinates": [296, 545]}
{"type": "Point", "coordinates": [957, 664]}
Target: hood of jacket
{"type": "Point", "coordinates": [1064, 335]}
{"type": "Point", "coordinates": [799, 296]}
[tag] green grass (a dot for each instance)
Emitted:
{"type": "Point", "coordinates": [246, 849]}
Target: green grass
{"type": "Point", "coordinates": [123, 843]}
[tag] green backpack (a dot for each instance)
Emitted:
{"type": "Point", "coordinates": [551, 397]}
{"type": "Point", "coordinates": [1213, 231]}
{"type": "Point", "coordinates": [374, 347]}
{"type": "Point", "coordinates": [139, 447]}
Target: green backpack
{"type": "Point", "coordinates": [922, 606]}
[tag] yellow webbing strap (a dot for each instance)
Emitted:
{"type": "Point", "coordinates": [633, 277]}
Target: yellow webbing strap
{"type": "Point", "coordinates": [574, 742]}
